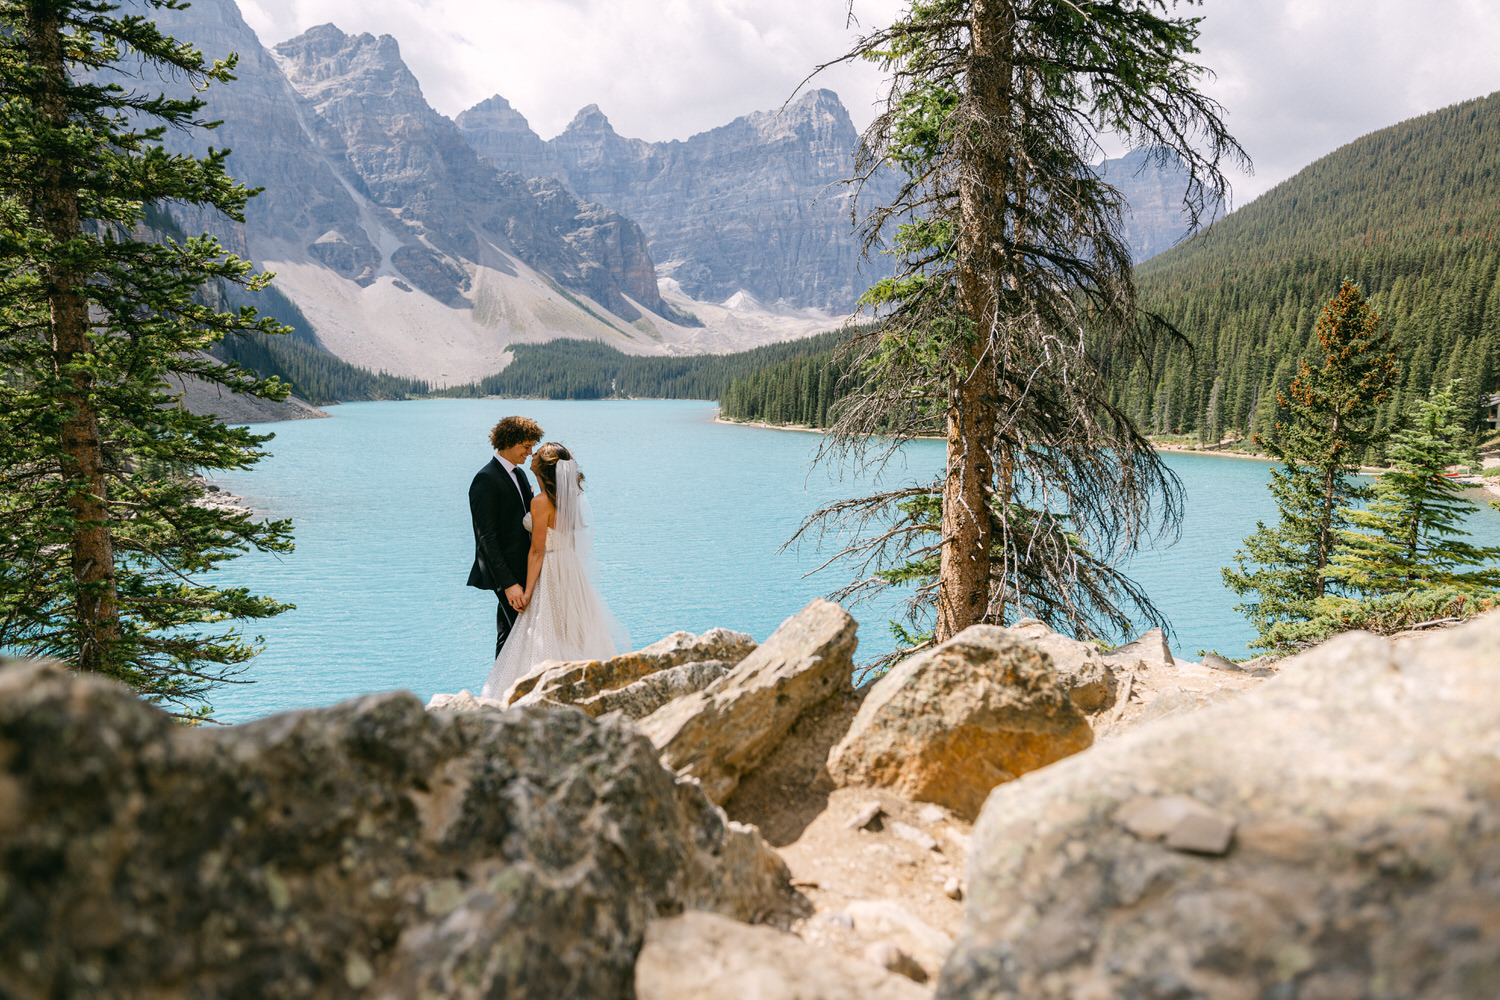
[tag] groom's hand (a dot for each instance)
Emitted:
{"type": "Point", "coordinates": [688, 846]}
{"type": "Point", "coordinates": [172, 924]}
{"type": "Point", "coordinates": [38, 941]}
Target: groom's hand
{"type": "Point", "coordinates": [515, 597]}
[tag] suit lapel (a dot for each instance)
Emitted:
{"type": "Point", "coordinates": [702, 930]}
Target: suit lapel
{"type": "Point", "coordinates": [523, 486]}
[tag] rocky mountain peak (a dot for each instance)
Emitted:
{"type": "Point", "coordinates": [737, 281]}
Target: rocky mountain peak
{"type": "Point", "coordinates": [820, 107]}
{"type": "Point", "coordinates": [496, 113]}
{"type": "Point", "coordinates": [754, 206]}
{"type": "Point", "coordinates": [500, 132]}
{"type": "Point", "coordinates": [591, 120]}
{"type": "Point", "coordinates": [1154, 218]}
{"type": "Point", "coordinates": [325, 57]}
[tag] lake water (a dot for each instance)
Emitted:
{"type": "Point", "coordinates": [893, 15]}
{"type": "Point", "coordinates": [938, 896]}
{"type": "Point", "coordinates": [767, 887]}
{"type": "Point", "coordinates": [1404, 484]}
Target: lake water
{"type": "Point", "coordinates": [691, 518]}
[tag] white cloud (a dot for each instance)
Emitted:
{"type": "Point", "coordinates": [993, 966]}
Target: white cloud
{"type": "Point", "coordinates": [1301, 78]}
{"type": "Point", "coordinates": [660, 69]}
{"type": "Point", "coordinates": [1298, 78]}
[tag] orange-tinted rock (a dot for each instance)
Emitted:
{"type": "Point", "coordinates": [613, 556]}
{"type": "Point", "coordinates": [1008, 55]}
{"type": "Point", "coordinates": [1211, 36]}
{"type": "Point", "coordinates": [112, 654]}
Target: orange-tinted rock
{"type": "Point", "coordinates": [950, 724]}
{"type": "Point", "coordinates": [724, 731]}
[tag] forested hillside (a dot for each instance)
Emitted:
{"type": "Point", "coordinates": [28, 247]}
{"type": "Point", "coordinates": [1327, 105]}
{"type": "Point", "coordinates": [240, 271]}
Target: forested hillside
{"type": "Point", "coordinates": [314, 374]}
{"type": "Point", "coordinates": [1410, 213]}
{"type": "Point", "coordinates": [581, 369]}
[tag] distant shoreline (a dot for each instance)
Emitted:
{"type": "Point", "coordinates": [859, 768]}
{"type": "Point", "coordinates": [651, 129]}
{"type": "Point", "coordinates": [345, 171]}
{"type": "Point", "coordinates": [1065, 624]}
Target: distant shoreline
{"type": "Point", "coordinates": [1487, 485]}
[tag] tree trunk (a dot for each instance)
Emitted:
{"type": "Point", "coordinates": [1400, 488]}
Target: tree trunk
{"type": "Point", "coordinates": [1325, 523]}
{"type": "Point", "coordinates": [964, 569]}
{"type": "Point", "coordinates": [82, 465]}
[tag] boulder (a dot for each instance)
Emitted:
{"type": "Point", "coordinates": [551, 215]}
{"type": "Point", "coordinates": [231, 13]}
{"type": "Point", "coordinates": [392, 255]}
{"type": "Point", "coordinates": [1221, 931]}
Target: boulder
{"type": "Point", "coordinates": [577, 682]}
{"type": "Point", "coordinates": [369, 849]}
{"type": "Point", "coordinates": [699, 955]}
{"type": "Point", "coordinates": [1080, 666]}
{"type": "Point", "coordinates": [464, 701]}
{"type": "Point", "coordinates": [723, 732]}
{"type": "Point", "coordinates": [1331, 833]}
{"type": "Point", "coordinates": [889, 920]}
{"type": "Point", "coordinates": [1255, 668]}
{"type": "Point", "coordinates": [638, 700]}
{"type": "Point", "coordinates": [1150, 648]}
{"type": "Point", "coordinates": [950, 724]}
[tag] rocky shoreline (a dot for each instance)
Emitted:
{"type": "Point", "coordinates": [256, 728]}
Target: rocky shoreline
{"type": "Point", "coordinates": [1011, 814]}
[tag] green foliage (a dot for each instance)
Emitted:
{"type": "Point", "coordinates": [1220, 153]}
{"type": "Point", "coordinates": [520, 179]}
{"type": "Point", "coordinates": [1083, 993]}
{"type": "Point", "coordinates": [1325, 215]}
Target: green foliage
{"type": "Point", "coordinates": [1011, 265]}
{"type": "Point", "coordinates": [800, 391]}
{"type": "Point", "coordinates": [1066, 588]}
{"type": "Point", "coordinates": [1278, 564]}
{"type": "Point", "coordinates": [105, 532]}
{"type": "Point", "coordinates": [312, 373]}
{"type": "Point", "coordinates": [1408, 213]}
{"type": "Point", "coordinates": [584, 369]}
{"type": "Point", "coordinates": [1410, 535]}
{"type": "Point", "coordinates": [1330, 423]}
{"type": "Point", "coordinates": [1386, 614]}
{"type": "Point", "coordinates": [297, 359]}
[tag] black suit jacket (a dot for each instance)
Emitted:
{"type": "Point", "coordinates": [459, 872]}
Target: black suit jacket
{"type": "Point", "coordinates": [500, 542]}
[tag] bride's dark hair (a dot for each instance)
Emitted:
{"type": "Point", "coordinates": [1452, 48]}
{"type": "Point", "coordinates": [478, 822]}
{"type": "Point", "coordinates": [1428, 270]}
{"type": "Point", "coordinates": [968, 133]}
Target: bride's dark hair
{"type": "Point", "coordinates": [548, 455]}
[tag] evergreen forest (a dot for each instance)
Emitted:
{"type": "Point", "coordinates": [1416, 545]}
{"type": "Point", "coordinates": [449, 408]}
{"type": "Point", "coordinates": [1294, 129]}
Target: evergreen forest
{"type": "Point", "coordinates": [1410, 214]}
{"type": "Point", "coordinates": [297, 359]}
{"type": "Point", "coordinates": [585, 369]}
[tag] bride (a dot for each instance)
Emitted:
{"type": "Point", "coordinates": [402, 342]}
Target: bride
{"type": "Point", "coordinates": [564, 616]}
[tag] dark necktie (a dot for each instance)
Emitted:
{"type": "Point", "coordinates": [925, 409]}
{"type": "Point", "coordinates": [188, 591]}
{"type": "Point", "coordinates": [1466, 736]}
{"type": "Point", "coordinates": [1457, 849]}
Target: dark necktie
{"type": "Point", "coordinates": [524, 483]}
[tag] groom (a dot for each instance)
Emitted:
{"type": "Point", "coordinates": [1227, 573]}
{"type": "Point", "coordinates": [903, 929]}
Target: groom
{"type": "Point", "coordinates": [499, 497]}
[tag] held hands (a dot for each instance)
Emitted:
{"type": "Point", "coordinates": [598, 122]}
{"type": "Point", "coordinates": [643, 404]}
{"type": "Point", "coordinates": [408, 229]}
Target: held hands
{"type": "Point", "coordinates": [516, 597]}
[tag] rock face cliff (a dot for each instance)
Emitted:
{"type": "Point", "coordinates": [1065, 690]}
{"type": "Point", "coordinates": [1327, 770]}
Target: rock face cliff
{"type": "Point", "coordinates": [412, 161]}
{"type": "Point", "coordinates": [406, 250]}
{"type": "Point", "coordinates": [1155, 221]}
{"type": "Point", "coordinates": [425, 247]}
{"type": "Point", "coordinates": [760, 205]}
{"type": "Point", "coordinates": [757, 206]}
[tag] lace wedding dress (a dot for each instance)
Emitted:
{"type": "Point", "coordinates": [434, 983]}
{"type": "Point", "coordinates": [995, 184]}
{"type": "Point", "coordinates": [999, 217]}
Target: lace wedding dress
{"type": "Point", "coordinates": [566, 619]}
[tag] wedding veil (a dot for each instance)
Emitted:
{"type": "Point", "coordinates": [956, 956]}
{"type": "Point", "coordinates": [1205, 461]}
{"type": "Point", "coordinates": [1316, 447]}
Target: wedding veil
{"type": "Point", "coordinates": [575, 520]}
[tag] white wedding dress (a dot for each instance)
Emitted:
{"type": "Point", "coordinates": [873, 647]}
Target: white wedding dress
{"type": "Point", "coordinates": [566, 619]}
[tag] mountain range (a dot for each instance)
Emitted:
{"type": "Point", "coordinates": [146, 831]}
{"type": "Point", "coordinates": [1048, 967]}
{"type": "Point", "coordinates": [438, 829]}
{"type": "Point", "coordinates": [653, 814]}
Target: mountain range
{"type": "Point", "coordinates": [422, 246]}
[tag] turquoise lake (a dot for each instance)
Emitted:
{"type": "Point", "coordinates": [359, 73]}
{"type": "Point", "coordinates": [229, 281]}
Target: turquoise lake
{"type": "Point", "coordinates": [691, 515]}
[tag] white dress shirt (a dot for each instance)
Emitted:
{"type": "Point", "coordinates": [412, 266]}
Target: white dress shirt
{"type": "Point", "coordinates": [510, 470]}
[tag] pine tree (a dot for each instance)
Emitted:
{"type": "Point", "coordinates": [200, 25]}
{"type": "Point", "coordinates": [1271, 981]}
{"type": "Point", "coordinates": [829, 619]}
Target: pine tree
{"type": "Point", "coordinates": [104, 532]}
{"type": "Point", "coordinates": [1410, 536]}
{"type": "Point", "coordinates": [1012, 261]}
{"type": "Point", "coordinates": [1328, 427]}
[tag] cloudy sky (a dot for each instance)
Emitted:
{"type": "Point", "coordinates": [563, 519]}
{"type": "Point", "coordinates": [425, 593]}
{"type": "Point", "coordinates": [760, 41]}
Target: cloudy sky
{"type": "Point", "coordinates": [1298, 78]}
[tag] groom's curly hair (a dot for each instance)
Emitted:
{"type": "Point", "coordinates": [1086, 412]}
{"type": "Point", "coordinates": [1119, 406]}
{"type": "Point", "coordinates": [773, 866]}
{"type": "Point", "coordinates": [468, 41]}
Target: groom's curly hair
{"type": "Point", "coordinates": [511, 431]}
{"type": "Point", "coordinates": [548, 455]}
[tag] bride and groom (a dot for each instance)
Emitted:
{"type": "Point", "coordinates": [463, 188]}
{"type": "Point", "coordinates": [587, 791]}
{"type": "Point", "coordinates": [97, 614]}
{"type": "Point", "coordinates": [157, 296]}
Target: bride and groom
{"type": "Point", "coordinates": [533, 547]}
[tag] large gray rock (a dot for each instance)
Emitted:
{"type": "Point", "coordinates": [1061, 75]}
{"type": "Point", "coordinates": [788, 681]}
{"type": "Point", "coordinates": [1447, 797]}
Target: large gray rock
{"type": "Point", "coordinates": [638, 700]}
{"type": "Point", "coordinates": [950, 724]}
{"type": "Point", "coordinates": [725, 731]}
{"type": "Point", "coordinates": [581, 682]}
{"type": "Point", "coordinates": [1331, 833]}
{"type": "Point", "coordinates": [700, 955]}
{"type": "Point", "coordinates": [368, 849]}
{"type": "Point", "coordinates": [1149, 648]}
